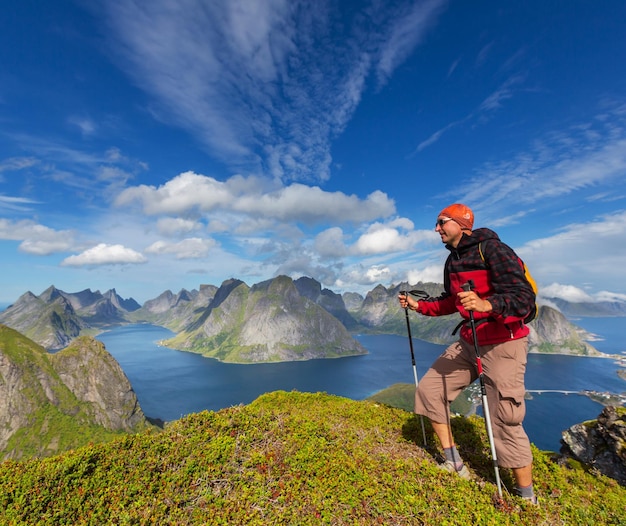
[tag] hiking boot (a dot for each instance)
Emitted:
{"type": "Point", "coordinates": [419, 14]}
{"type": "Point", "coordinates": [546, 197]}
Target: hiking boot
{"type": "Point", "coordinates": [531, 500]}
{"type": "Point", "coordinates": [448, 465]}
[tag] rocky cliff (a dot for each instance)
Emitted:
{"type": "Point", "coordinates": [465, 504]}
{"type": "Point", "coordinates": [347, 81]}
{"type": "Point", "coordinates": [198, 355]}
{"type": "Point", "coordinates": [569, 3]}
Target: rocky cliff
{"type": "Point", "coordinates": [51, 402]}
{"type": "Point", "coordinates": [600, 444]}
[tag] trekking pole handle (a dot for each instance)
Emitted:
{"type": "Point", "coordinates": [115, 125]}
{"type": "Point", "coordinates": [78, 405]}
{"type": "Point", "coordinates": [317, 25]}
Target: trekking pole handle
{"type": "Point", "coordinates": [468, 286]}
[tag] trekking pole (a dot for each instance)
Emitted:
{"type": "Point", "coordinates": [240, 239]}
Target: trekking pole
{"type": "Point", "coordinates": [408, 328]}
{"type": "Point", "coordinates": [483, 390]}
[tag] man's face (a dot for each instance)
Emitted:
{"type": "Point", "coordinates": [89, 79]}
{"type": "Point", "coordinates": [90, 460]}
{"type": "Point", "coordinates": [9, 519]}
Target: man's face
{"type": "Point", "coordinates": [449, 230]}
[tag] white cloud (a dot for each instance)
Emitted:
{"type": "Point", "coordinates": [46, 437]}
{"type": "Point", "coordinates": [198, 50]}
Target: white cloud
{"type": "Point", "coordinates": [183, 193]}
{"type": "Point", "coordinates": [430, 274]}
{"type": "Point", "coordinates": [192, 248]}
{"type": "Point", "coordinates": [36, 239]}
{"type": "Point", "coordinates": [363, 277]}
{"type": "Point", "coordinates": [172, 226]}
{"type": "Point", "coordinates": [492, 103]}
{"type": "Point", "coordinates": [576, 295]}
{"type": "Point", "coordinates": [395, 236]}
{"type": "Point", "coordinates": [103, 254]}
{"type": "Point", "coordinates": [257, 198]}
{"type": "Point", "coordinates": [566, 292]}
{"type": "Point", "coordinates": [504, 92]}
{"type": "Point", "coordinates": [604, 295]}
{"type": "Point", "coordinates": [330, 243]}
{"type": "Point", "coordinates": [378, 274]}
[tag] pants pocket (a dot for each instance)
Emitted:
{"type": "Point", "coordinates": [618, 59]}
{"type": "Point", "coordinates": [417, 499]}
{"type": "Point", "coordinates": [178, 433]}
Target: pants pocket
{"type": "Point", "coordinates": [511, 406]}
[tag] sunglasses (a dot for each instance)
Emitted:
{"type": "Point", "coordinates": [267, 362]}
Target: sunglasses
{"type": "Point", "coordinates": [441, 222]}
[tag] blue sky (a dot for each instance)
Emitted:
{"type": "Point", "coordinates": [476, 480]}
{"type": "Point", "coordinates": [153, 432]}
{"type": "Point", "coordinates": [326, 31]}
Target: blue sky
{"type": "Point", "coordinates": [158, 145]}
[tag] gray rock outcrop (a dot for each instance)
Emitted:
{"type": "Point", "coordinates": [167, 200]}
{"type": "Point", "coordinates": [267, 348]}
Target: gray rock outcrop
{"type": "Point", "coordinates": [600, 444]}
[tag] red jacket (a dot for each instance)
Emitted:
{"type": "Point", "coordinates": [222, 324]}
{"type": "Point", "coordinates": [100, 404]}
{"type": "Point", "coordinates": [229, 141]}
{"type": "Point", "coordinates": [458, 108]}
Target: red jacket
{"type": "Point", "coordinates": [498, 278]}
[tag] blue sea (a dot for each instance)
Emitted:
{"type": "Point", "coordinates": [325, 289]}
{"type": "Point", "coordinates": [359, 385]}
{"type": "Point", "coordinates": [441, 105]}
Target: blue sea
{"type": "Point", "coordinates": [170, 383]}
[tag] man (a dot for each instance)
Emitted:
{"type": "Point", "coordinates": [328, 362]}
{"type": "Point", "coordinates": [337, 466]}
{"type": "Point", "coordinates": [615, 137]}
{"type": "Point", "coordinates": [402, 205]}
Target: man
{"type": "Point", "coordinates": [500, 299]}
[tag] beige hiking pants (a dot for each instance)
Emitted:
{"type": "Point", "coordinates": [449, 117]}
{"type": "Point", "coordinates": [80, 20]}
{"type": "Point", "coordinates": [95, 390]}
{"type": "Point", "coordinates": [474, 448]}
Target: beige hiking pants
{"type": "Point", "coordinates": [504, 366]}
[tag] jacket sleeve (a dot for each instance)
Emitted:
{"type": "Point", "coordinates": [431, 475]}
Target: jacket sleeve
{"type": "Point", "coordinates": [441, 305]}
{"type": "Point", "coordinates": [512, 297]}
{"type": "Point", "coordinates": [444, 304]}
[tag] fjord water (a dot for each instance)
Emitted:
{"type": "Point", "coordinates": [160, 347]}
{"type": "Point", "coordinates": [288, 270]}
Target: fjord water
{"type": "Point", "coordinates": [170, 383]}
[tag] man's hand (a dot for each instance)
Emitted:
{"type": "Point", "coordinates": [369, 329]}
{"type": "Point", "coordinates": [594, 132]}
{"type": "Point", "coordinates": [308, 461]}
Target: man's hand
{"type": "Point", "coordinates": [407, 302]}
{"type": "Point", "coordinates": [471, 302]}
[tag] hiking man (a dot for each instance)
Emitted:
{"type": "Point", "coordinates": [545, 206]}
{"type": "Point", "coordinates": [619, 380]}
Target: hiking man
{"type": "Point", "coordinates": [500, 300]}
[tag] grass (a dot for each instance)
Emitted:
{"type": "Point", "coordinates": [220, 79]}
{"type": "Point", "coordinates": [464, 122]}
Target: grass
{"type": "Point", "coordinates": [293, 458]}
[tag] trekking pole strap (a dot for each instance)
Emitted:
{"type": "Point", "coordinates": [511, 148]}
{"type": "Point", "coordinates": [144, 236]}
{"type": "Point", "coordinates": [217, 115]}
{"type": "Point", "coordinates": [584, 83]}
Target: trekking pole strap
{"type": "Point", "coordinates": [421, 294]}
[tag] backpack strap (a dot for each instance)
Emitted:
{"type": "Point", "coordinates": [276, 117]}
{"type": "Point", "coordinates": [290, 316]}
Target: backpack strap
{"type": "Point", "coordinates": [476, 323]}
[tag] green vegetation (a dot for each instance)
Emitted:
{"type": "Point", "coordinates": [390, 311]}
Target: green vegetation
{"type": "Point", "coordinates": [571, 345]}
{"type": "Point", "coordinates": [402, 396]}
{"type": "Point", "coordinates": [293, 458]}
{"type": "Point", "coordinates": [49, 431]}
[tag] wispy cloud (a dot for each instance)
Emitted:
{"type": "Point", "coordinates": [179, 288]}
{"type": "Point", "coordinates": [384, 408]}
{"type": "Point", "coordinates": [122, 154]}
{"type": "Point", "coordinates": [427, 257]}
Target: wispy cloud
{"type": "Point", "coordinates": [436, 136]}
{"type": "Point", "coordinates": [16, 204]}
{"type": "Point", "coordinates": [493, 102]}
{"type": "Point", "coordinates": [259, 93]}
{"type": "Point", "coordinates": [86, 125]}
{"type": "Point", "coordinates": [408, 28]}
{"type": "Point", "coordinates": [582, 157]}
{"type": "Point", "coordinates": [599, 245]}
{"type": "Point", "coordinates": [97, 172]}
{"type": "Point", "coordinates": [505, 91]}
{"type": "Point", "coordinates": [17, 163]}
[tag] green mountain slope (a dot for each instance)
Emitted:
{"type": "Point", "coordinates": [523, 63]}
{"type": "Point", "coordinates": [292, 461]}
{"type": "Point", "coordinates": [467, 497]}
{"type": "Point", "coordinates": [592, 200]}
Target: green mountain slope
{"type": "Point", "coordinates": [292, 458]}
{"type": "Point", "coordinates": [53, 402]}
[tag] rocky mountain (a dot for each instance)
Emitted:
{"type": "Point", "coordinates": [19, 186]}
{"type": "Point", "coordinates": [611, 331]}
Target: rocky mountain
{"type": "Point", "coordinates": [175, 311]}
{"type": "Point", "coordinates": [55, 317]}
{"type": "Point", "coordinates": [49, 319]}
{"type": "Point", "coordinates": [589, 309]}
{"type": "Point", "coordinates": [200, 320]}
{"type": "Point", "coordinates": [379, 312]}
{"type": "Point", "coordinates": [53, 402]}
{"type": "Point", "coordinates": [327, 299]}
{"type": "Point", "coordinates": [268, 322]}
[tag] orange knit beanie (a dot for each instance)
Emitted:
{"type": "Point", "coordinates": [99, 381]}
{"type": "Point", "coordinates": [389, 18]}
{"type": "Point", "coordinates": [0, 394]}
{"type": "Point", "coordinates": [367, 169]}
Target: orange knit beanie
{"type": "Point", "coordinates": [461, 214]}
